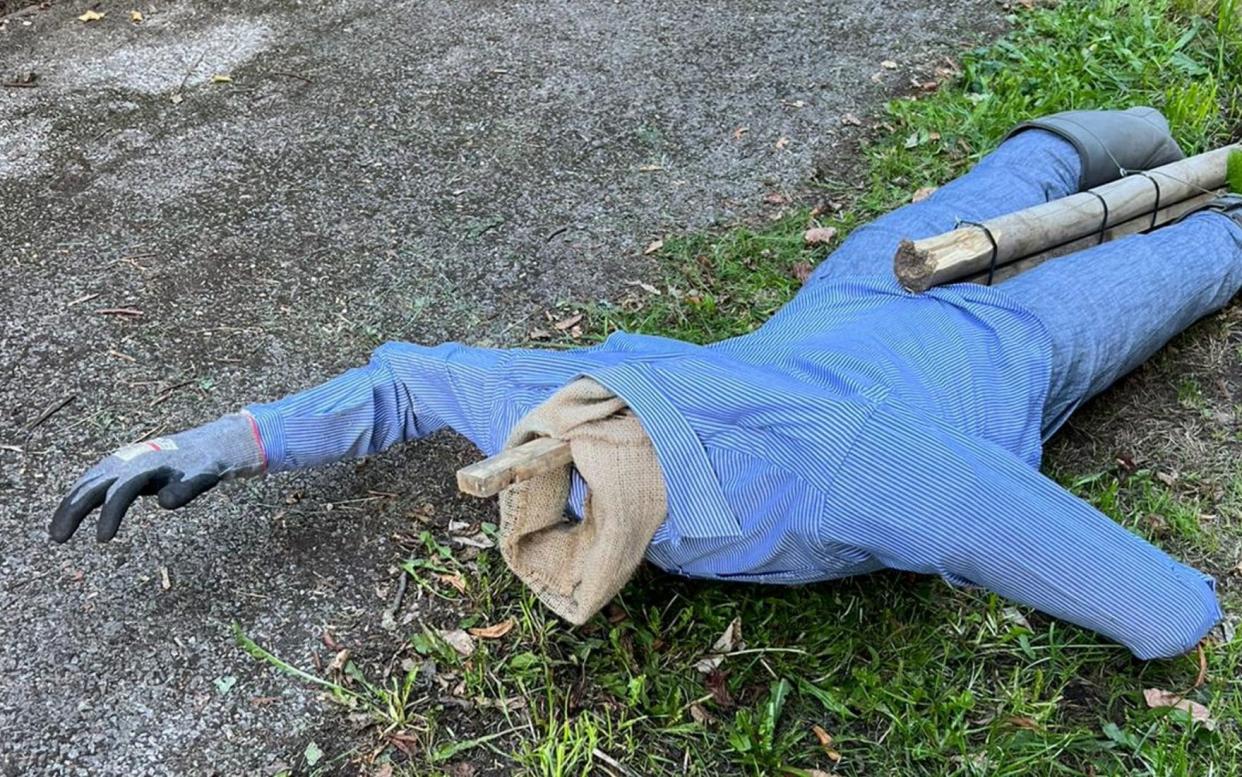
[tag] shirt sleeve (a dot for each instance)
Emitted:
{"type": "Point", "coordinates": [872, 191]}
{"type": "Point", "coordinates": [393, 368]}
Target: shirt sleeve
{"type": "Point", "coordinates": [406, 392]}
{"type": "Point", "coordinates": [924, 498]}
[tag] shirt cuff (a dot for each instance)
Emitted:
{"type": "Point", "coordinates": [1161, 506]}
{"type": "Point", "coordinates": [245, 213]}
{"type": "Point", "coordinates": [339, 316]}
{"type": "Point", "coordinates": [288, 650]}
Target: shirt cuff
{"type": "Point", "coordinates": [269, 429]}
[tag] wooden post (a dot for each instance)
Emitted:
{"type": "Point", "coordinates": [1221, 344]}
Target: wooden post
{"type": "Point", "coordinates": [966, 251]}
{"type": "Point", "coordinates": [1131, 227]}
{"type": "Point", "coordinates": [493, 475]}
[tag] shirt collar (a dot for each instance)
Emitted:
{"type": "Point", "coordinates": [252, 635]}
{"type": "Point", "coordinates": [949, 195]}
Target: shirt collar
{"type": "Point", "coordinates": [696, 505]}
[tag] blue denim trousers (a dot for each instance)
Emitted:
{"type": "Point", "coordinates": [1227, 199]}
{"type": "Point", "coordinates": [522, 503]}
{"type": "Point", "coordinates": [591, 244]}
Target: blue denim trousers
{"type": "Point", "coordinates": [1107, 308]}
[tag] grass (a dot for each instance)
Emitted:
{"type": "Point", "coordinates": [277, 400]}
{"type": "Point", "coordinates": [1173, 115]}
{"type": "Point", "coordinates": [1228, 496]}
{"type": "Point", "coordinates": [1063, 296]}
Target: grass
{"type": "Point", "coordinates": [904, 675]}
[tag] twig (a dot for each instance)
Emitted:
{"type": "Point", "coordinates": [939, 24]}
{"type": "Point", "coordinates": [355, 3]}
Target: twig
{"type": "Point", "coordinates": [1201, 678]}
{"type": "Point", "coordinates": [287, 74]}
{"type": "Point", "coordinates": [51, 411]}
{"type": "Point", "coordinates": [165, 394]}
{"type": "Point", "coordinates": [119, 355]}
{"type": "Point", "coordinates": [401, 586]}
{"type": "Point", "coordinates": [119, 312]}
{"type": "Point", "coordinates": [80, 300]}
{"type": "Point", "coordinates": [17, 85]}
{"type": "Point", "coordinates": [614, 763]}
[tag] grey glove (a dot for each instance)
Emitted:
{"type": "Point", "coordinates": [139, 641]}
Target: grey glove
{"type": "Point", "coordinates": [177, 468]}
{"type": "Point", "coordinates": [1111, 143]}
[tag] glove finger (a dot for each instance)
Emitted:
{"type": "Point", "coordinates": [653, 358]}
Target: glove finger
{"type": "Point", "coordinates": [180, 491]}
{"type": "Point", "coordinates": [120, 497]}
{"type": "Point", "coordinates": [76, 505]}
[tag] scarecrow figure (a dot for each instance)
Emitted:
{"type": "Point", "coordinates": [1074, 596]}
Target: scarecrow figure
{"type": "Point", "coordinates": [861, 427]}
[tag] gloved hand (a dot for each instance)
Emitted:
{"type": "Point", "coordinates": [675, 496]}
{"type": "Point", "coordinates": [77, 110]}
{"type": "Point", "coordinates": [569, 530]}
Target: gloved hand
{"type": "Point", "coordinates": [177, 468]}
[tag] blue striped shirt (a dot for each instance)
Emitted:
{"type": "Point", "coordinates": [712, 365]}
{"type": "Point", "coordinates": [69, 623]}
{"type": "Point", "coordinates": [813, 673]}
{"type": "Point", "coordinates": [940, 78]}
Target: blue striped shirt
{"type": "Point", "coordinates": [861, 427]}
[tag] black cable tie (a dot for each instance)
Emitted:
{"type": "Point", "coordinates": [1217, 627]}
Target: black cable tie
{"type": "Point", "coordinates": [992, 240]}
{"type": "Point", "coordinates": [1156, 210]}
{"type": "Point", "coordinates": [1103, 221]}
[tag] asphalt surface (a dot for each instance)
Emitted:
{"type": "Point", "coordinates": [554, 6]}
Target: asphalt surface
{"type": "Point", "coordinates": [277, 187]}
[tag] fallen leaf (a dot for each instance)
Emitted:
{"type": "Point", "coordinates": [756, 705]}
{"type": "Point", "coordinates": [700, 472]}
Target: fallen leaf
{"type": "Point", "coordinates": [647, 287]}
{"type": "Point", "coordinates": [818, 235]}
{"type": "Point", "coordinates": [135, 16]}
{"type": "Point", "coordinates": [1168, 478]}
{"type": "Point", "coordinates": [459, 641]}
{"type": "Point", "coordinates": [739, 132]}
{"type": "Point", "coordinates": [224, 683]}
{"type": "Point", "coordinates": [851, 120]}
{"type": "Point", "coordinates": [92, 16]}
{"type": "Point", "coordinates": [1021, 721]}
{"type": "Point", "coordinates": [727, 642]}
{"type": "Point", "coordinates": [455, 580]}
{"type": "Point", "coordinates": [888, 64]}
{"type": "Point", "coordinates": [781, 143]}
{"type": "Point", "coordinates": [802, 271]}
{"type": "Point", "coordinates": [312, 754]}
{"type": "Point", "coordinates": [220, 78]}
{"type": "Point", "coordinates": [480, 540]}
{"type": "Point", "coordinates": [495, 631]}
{"type": "Point", "coordinates": [718, 687]}
{"type": "Point", "coordinates": [653, 246]}
{"type": "Point", "coordinates": [337, 664]}
{"type": "Point", "coordinates": [1157, 698]}
{"type": "Point", "coordinates": [825, 742]}
{"type": "Point", "coordinates": [568, 323]}
{"type": "Point", "coordinates": [775, 198]}
{"type": "Point", "coordinates": [385, 770]}
{"type": "Point", "coordinates": [923, 193]}
{"type": "Point", "coordinates": [700, 715]}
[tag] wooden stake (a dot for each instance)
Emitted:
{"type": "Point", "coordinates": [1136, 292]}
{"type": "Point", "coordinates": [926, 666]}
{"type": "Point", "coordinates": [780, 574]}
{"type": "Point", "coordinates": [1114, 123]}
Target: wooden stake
{"type": "Point", "coordinates": [1131, 227]}
{"type": "Point", "coordinates": [493, 475]}
{"type": "Point", "coordinates": [965, 251]}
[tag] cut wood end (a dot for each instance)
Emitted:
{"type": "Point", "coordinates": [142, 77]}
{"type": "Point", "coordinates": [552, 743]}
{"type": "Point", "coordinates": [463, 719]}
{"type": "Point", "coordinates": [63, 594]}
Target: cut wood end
{"type": "Point", "coordinates": [493, 475]}
{"type": "Point", "coordinates": [913, 267]}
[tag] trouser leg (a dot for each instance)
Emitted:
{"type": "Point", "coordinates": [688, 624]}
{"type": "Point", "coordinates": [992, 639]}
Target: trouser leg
{"type": "Point", "coordinates": [1109, 308]}
{"type": "Point", "coordinates": [1030, 168]}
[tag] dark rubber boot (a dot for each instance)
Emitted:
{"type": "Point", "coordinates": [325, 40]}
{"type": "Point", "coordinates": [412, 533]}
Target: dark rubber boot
{"type": "Point", "coordinates": [1111, 144]}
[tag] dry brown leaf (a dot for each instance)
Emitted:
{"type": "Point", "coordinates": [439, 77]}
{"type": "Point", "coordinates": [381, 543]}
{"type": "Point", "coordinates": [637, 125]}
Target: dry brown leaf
{"type": "Point", "coordinates": [781, 143]}
{"type": "Point", "coordinates": [653, 246]}
{"type": "Point", "coordinates": [700, 715]}
{"type": "Point", "coordinates": [888, 64]}
{"type": "Point", "coordinates": [1157, 698]}
{"type": "Point", "coordinates": [775, 198]}
{"type": "Point", "coordinates": [923, 193]}
{"type": "Point", "coordinates": [819, 235]}
{"type": "Point", "coordinates": [92, 16]}
{"type": "Point", "coordinates": [1022, 721]}
{"type": "Point", "coordinates": [459, 640]}
{"type": "Point", "coordinates": [568, 323]}
{"type": "Point", "coordinates": [851, 120]}
{"type": "Point", "coordinates": [221, 78]}
{"type": "Point", "coordinates": [337, 664]}
{"type": "Point", "coordinates": [727, 642]}
{"type": "Point", "coordinates": [739, 132]}
{"type": "Point", "coordinates": [455, 580]}
{"type": "Point", "coordinates": [802, 271]}
{"type": "Point", "coordinates": [495, 631]}
{"type": "Point", "coordinates": [135, 16]}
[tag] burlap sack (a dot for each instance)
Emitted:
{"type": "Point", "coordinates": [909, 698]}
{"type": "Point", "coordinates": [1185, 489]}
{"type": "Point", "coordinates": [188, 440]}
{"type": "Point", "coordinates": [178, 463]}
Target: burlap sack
{"type": "Point", "coordinates": [576, 567]}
